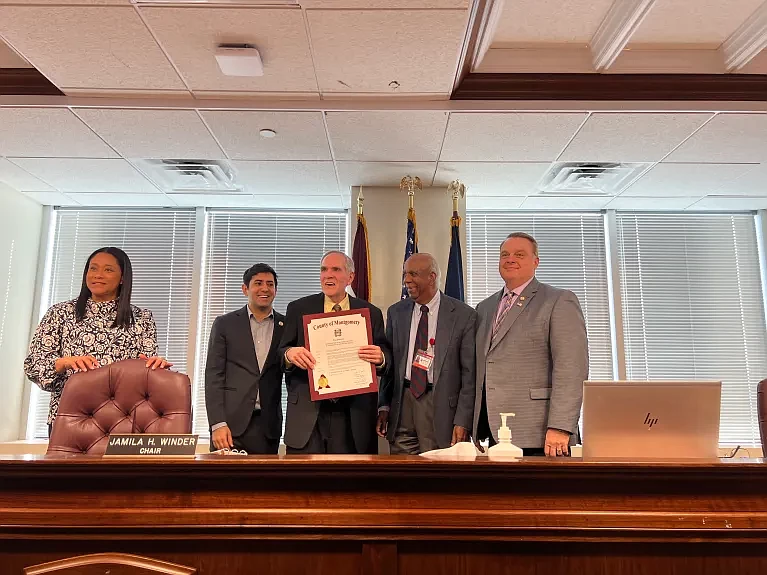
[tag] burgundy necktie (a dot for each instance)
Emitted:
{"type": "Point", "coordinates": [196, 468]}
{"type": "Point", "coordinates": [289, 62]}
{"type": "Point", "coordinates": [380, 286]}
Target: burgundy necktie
{"type": "Point", "coordinates": [419, 378]}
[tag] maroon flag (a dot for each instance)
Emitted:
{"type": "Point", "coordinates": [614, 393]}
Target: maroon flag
{"type": "Point", "coordinates": [361, 257]}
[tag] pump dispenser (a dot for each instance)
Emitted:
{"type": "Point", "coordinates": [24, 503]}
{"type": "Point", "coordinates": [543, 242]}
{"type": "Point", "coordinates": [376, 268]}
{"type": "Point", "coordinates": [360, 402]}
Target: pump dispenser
{"type": "Point", "coordinates": [504, 449]}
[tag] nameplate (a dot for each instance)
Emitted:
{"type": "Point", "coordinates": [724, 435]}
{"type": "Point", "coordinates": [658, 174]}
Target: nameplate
{"type": "Point", "coordinates": [150, 444]}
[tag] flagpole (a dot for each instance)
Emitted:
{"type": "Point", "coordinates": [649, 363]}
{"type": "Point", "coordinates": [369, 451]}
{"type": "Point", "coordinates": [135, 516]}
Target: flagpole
{"type": "Point", "coordinates": [454, 277]}
{"type": "Point", "coordinates": [362, 285]}
{"type": "Point", "coordinates": [410, 185]}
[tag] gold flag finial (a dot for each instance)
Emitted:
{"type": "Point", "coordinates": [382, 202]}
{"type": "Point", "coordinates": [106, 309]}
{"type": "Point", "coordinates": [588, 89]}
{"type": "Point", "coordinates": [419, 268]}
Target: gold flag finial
{"type": "Point", "coordinates": [360, 202]}
{"type": "Point", "coordinates": [410, 185]}
{"type": "Point", "coordinates": [457, 190]}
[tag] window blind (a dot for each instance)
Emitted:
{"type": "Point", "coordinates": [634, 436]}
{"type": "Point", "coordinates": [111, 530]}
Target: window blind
{"type": "Point", "coordinates": [572, 254]}
{"type": "Point", "coordinates": [160, 244]}
{"type": "Point", "coordinates": [693, 307]}
{"type": "Point", "coordinates": [292, 243]}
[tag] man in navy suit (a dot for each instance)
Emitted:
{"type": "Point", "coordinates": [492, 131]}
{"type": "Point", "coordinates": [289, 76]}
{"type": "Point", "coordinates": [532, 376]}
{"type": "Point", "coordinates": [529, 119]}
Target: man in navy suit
{"type": "Point", "coordinates": [243, 372]}
{"type": "Point", "coordinates": [345, 425]}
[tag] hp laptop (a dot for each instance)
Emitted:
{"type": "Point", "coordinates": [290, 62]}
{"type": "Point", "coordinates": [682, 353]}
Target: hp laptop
{"type": "Point", "coordinates": [651, 419]}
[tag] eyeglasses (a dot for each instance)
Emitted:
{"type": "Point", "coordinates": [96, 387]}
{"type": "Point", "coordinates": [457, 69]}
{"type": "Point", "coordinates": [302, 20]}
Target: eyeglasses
{"type": "Point", "coordinates": [732, 453]}
{"type": "Point", "coordinates": [227, 451]}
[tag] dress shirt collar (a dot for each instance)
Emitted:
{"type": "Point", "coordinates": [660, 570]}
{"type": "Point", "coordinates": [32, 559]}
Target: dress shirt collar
{"type": "Point", "coordinates": [518, 290]}
{"type": "Point", "coordinates": [344, 303]}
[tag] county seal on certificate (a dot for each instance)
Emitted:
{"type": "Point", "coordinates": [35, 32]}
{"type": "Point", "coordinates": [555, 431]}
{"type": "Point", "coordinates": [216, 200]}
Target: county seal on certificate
{"type": "Point", "coordinates": [334, 340]}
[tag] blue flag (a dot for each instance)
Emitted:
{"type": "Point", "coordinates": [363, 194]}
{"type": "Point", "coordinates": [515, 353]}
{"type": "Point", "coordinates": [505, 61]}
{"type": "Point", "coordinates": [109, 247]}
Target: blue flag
{"type": "Point", "coordinates": [454, 278]}
{"type": "Point", "coordinates": [411, 245]}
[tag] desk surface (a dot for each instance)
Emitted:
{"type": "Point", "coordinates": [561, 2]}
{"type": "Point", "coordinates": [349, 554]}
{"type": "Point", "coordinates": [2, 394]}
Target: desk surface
{"type": "Point", "coordinates": [388, 494]}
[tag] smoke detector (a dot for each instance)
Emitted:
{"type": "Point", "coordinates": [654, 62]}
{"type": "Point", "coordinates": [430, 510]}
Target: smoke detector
{"type": "Point", "coordinates": [589, 178]}
{"type": "Point", "coordinates": [193, 176]}
{"type": "Point", "coordinates": [241, 60]}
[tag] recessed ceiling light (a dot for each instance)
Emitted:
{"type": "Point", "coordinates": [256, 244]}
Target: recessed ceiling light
{"type": "Point", "coordinates": [266, 133]}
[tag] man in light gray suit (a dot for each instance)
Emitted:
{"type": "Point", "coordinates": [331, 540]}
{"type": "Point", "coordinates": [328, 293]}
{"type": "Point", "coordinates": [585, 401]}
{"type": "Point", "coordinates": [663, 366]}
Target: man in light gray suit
{"type": "Point", "coordinates": [426, 400]}
{"type": "Point", "coordinates": [532, 356]}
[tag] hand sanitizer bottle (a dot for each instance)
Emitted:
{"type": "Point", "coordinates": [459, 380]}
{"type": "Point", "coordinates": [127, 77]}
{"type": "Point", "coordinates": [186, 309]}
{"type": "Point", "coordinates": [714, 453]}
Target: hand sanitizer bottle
{"type": "Point", "coordinates": [504, 449]}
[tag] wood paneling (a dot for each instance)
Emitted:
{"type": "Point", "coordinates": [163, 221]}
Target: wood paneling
{"type": "Point", "coordinates": [25, 82]}
{"type": "Point", "coordinates": [677, 87]}
{"type": "Point", "coordinates": [388, 515]}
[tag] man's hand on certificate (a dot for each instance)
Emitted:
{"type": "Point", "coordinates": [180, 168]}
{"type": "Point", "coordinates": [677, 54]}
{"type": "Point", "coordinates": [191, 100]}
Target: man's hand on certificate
{"type": "Point", "coordinates": [301, 357]}
{"type": "Point", "coordinates": [371, 354]}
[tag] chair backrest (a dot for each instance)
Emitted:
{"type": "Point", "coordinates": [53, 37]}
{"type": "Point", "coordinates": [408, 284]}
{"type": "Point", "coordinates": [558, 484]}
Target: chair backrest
{"type": "Point", "coordinates": [123, 397]}
{"type": "Point", "coordinates": [761, 408]}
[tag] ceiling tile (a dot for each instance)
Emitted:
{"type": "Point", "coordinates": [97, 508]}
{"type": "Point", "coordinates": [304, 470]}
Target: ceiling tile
{"type": "Point", "coordinates": [14, 176]}
{"type": "Point", "coordinates": [302, 179]}
{"type": "Point", "coordinates": [686, 179]}
{"type": "Point", "coordinates": [363, 51]}
{"type": "Point", "coordinates": [68, 2]}
{"type": "Point", "coordinates": [215, 200]}
{"type": "Point", "coordinates": [89, 46]}
{"type": "Point", "coordinates": [704, 23]}
{"type": "Point", "coordinates": [389, 4]}
{"type": "Point", "coordinates": [383, 174]}
{"type": "Point", "coordinates": [492, 179]}
{"type": "Point", "coordinates": [77, 175]}
{"type": "Point", "coordinates": [300, 135]}
{"type": "Point", "coordinates": [127, 200]}
{"type": "Point", "coordinates": [48, 132]}
{"type": "Point", "coordinates": [565, 202]}
{"type": "Point", "coordinates": [51, 198]}
{"type": "Point", "coordinates": [631, 137]}
{"type": "Point", "coordinates": [727, 138]}
{"type": "Point", "coordinates": [508, 137]}
{"type": "Point", "coordinates": [651, 203]}
{"type": "Point", "coordinates": [752, 183]}
{"type": "Point", "coordinates": [494, 202]}
{"type": "Point", "coordinates": [261, 201]}
{"type": "Point", "coordinates": [153, 133]}
{"type": "Point", "coordinates": [190, 37]}
{"type": "Point", "coordinates": [331, 202]}
{"type": "Point", "coordinates": [727, 203]}
{"type": "Point", "coordinates": [401, 136]}
{"type": "Point", "coordinates": [550, 21]}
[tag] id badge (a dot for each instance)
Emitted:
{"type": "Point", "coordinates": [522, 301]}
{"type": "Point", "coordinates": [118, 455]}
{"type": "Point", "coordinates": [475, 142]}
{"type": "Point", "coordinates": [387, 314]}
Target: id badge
{"type": "Point", "coordinates": [422, 360]}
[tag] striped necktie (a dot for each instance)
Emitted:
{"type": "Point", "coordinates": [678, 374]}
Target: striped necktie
{"type": "Point", "coordinates": [503, 309]}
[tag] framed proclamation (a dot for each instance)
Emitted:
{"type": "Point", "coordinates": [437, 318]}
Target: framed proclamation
{"type": "Point", "coordinates": [334, 340]}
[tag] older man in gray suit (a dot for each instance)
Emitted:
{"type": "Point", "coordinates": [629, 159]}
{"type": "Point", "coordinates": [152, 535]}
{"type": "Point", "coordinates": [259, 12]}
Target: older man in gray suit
{"type": "Point", "coordinates": [426, 399]}
{"type": "Point", "coordinates": [532, 356]}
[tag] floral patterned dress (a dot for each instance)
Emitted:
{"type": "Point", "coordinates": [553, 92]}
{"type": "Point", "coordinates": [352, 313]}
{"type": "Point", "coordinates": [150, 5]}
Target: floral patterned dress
{"type": "Point", "coordinates": [60, 334]}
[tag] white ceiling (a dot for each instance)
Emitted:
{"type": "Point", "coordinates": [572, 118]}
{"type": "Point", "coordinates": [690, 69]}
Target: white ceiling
{"type": "Point", "coordinates": [652, 36]}
{"type": "Point", "coordinates": [92, 156]}
{"type": "Point", "coordinates": [142, 83]}
{"type": "Point", "coordinates": [320, 48]}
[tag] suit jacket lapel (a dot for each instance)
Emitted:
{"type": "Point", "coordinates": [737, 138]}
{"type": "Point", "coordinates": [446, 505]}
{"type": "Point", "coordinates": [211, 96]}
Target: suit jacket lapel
{"type": "Point", "coordinates": [511, 316]}
{"type": "Point", "coordinates": [490, 319]}
{"type": "Point", "coordinates": [279, 325]}
{"type": "Point", "coordinates": [445, 326]}
{"type": "Point", "coordinates": [248, 336]}
{"type": "Point", "coordinates": [403, 334]}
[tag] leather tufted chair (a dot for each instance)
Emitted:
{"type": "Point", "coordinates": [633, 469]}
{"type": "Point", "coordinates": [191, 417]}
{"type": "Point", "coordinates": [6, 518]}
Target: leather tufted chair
{"type": "Point", "coordinates": [761, 409]}
{"type": "Point", "coordinates": [123, 397]}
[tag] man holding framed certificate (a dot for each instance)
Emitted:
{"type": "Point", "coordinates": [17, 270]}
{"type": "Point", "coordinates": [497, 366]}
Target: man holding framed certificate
{"type": "Point", "coordinates": [334, 347]}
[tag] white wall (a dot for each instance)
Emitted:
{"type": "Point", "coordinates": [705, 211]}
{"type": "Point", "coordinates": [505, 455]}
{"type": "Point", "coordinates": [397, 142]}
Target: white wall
{"type": "Point", "coordinates": [20, 227]}
{"type": "Point", "coordinates": [386, 215]}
